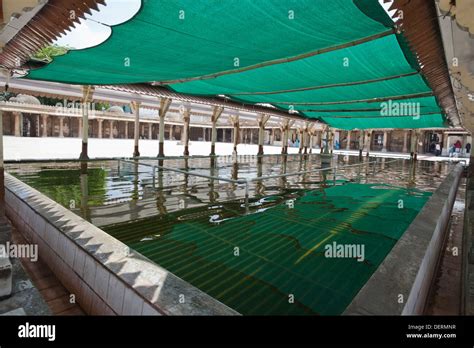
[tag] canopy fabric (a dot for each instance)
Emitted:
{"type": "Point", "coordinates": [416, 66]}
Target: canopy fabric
{"type": "Point", "coordinates": [294, 54]}
{"type": "Point", "coordinates": [424, 121]}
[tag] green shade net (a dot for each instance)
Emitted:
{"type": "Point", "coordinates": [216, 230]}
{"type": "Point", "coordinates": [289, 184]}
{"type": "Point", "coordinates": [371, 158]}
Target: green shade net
{"type": "Point", "coordinates": [162, 45]}
{"type": "Point", "coordinates": [281, 250]}
{"type": "Point", "coordinates": [422, 121]}
{"type": "Point", "coordinates": [345, 65]}
{"type": "Point", "coordinates": [174, 41]}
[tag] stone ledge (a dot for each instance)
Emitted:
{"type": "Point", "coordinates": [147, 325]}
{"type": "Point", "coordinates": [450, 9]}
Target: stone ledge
{"type": "Point", "coordinates": [90, 262]}
{"type": "Point", "coordinates": [409, 267]}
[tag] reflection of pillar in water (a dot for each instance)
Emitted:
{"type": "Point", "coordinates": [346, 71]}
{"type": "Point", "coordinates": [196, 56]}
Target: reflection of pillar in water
{"type": "Point", "coordinates": [283, 180]}
{"type": "Point", "coordinates": [259, 187]}
{"type": "Point", "coordinates": [213, 195]}
{"type": "Point", "coordinates": [323, 175]}
{"type": "Point", "coordinates": [412, 176]}
{"type": "Point", "coordinates": [135, 193]}
{"type": "Point", "coordinates": [235, 169]}
{"type": "Point", "coordinates": [186, 176]}
{"type": "Point", "coordinates": [382, 165]}
{"type": "Point", "coordinates": [160, 197]}
{"type": "Point", "coordinates": [359, 172]}
{"type": "Point", "coordinates": [84, 182]}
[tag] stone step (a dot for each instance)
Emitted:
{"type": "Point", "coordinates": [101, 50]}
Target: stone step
{"type": "Point", "coordinates": [5, 274]}
{"type": "Point", "coordinates": [18, 311]}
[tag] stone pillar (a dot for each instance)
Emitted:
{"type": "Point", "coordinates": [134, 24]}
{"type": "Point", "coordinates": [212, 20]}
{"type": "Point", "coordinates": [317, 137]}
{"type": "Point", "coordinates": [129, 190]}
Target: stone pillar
{"type": "Point", "coordinates": [445, 150]}
{"type": "Point", "coordinates": [136, 128]}
{"type": "Point", "coordinates": [186, 114]}
{"type": "Point", "coordinates": [17, 123]}
{"type": "Point", "coordinates": [86, 100]}
{"type": "Point", "coordinates": [79, 127]}
{"type": "Point", "coordinates": [126, 129]}
{"type": "Point", "coordinates": [262, 121]}
{"type": "Point", "coordinates": [272, 136]}
{"type": "Point", "coordinates": [61, 126]}
{"type": "Point", "coordinates": [405, 141]}
{"type": "Point", "coordinates": [99, 123]}
{"type": "Point", "coordinates": [301, 137]}
{"type": "Point", "coordinates": [161, 130]}
{"type": "Point", "coordinates": [385, 136]}
{"type": "Point", "coordinates": [317, 140]}
{"type": "Point", "coordinates": [361, 142]}
{"type": "Point", "coordinates": [150, 131]}
{"type": "Point", "coordinates": [164, 107]}
{"type": "Point", "coordinates": [171, 132]}
{"type": "Point", "coordinates": [368, 141]}
{"type": "Point", "coordinates": [285, 129]}
{"type": "Point", "coordinates": [44, 120]}
{"type": "Point", "coordinates": [307, 139]}
{"type": "Point", "coordinates": [236, 137]}
{"type": "Point", "coordinates": [111, 125]}
{"type": "Point", "coordinates": [413, 145]}
{"type": "Point", "coordinates": [348, 144]}
{"type": "Point", "coordinates": [216, 113]}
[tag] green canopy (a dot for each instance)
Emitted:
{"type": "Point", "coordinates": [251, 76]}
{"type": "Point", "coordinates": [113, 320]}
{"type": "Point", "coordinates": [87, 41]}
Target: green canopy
{"type": "Point", "coordinates": [295, 54]}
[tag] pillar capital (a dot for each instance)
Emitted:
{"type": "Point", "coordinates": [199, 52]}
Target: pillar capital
{"type": "Point", "coordinates": [87, 93]}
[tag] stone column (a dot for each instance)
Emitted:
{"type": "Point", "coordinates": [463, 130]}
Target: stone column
{"type": "Point", "coordinates": [235, 122]}
{"type": "Point", "coordinates": [445, 150]}
{"type": "Point", "coordinates": [405, 141]}
{"type": "Point", "coordinates": [61, 126]}
{"type": "Point", "coordinates": [285, 129]}
{"type": "Point", "coordinates": [348, 144]}
{"type": "Point", "coordinates": [164, 107]}
{"type": "Point", "coordinates": [136, 128]}
{"type": "Point", "coordinates": [262, 121]}
{"type": "Point", "coordinates": [216, 113]}
{"type": "Point", "coordinates": [368, 141]}
{"type": "Point", "coordinates": [301, 137]}
{"type": "Point", "coordinates": [186, 114]}
{"type": "Point", "coordinates": [86, 100]}
{"type": "Point", "coordinates": [385, 136]}
{"type": "Point", "coordinates": [171, 132]}
{"type": "Point", "coordinates": [17, 123]}
{"type": "Point", "coordinates": [361, 142]}
{"type": "Point", "coordinates": [126, 129]}
{"type": "Point", "coordinates": [111, 125]}
{"type": "Point", "coordinates": [150, 131]}
{"type": "Point", "coordinates": [413, 144]}
{"type": "Point", "coordinates": [44, 120]}
{"type": "Point", "coordinates": [99, 122]}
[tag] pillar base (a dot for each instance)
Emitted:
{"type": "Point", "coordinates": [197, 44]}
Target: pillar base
{"type": "Point", "coordinates": [84, 155]}
{"type": "Point", "coordinates": [260, 150]}
{"type": "Point", "coordinates": [161, 150]}
{"type": "Point", "coordinates": [213, 150]}
{"type": "Point", "coordinates": [136, 153]}
{"type": "Point", "coordinates": [186, 150]}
